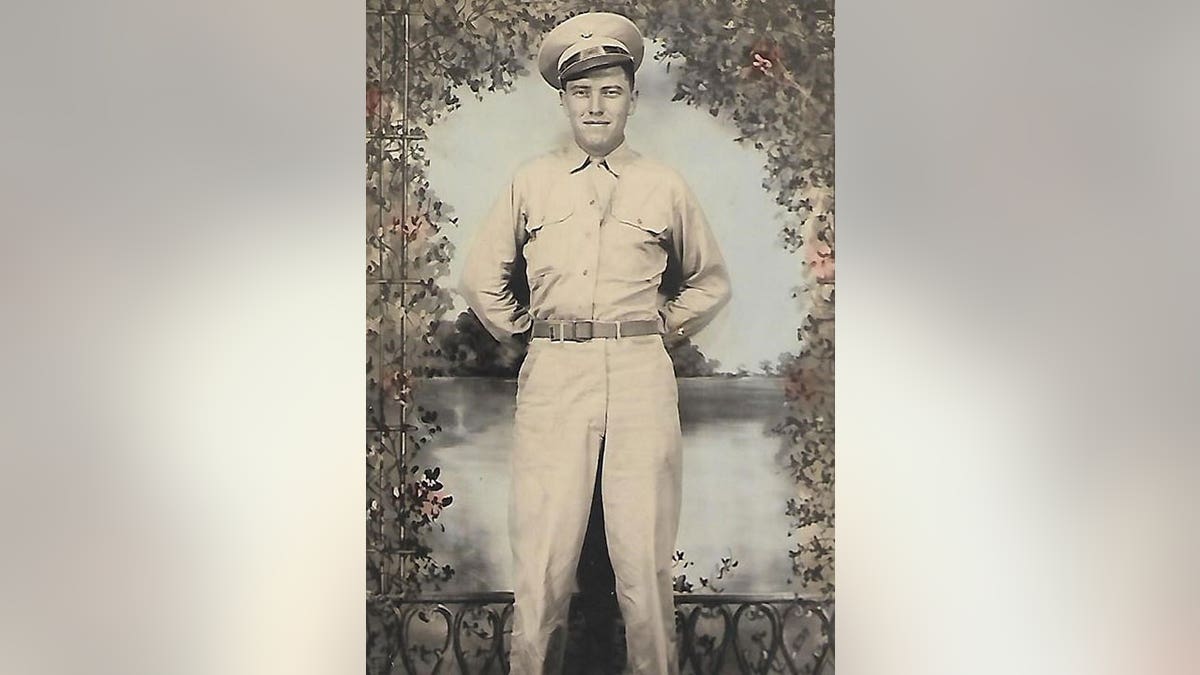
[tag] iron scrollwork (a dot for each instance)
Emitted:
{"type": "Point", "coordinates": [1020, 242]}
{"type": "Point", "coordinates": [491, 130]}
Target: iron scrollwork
{"type": "Point", "coordinates": [718, 634]}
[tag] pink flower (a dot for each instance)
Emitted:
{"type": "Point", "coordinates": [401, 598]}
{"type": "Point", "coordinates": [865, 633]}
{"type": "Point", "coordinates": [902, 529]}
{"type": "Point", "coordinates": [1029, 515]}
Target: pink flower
{"type": "Point", "coordinates": [374, 96]}
{"type": "Point", "coordinates": [398, 385]}
{"type": "Point", "coordinates": [432, 505]}
{"type": "Point", "coordinates": [416, 226]}
{"type": "Point", "coordinates": [765, 56]}
{"type": "Point", "coordinates": [761, 64]}
{"type": "Point", "coordinates": [820, 259]}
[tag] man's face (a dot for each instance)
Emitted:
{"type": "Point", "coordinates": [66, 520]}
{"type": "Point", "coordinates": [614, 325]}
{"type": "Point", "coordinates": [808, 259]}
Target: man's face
{"type": "Point", "coordinates": [598, 104]}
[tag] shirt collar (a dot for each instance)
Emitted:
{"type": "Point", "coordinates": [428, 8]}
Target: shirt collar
{"type": "Point", "coordinates": [616, 161]}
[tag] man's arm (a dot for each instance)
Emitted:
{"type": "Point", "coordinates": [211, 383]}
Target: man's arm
{"type": "Point", "coordinates": [489, 265]}
{"type": "Point", "coordinates": [705, 286]}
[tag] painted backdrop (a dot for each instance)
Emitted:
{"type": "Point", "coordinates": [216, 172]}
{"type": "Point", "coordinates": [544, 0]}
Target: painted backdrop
{"type": "Point", "coordinates": [737, 96]}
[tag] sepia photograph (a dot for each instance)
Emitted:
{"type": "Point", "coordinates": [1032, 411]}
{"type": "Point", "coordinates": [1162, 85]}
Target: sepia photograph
{"type": "Point", "coordinates": [599, 337]}
{"type": "Point", "coordinates": [569, 404]}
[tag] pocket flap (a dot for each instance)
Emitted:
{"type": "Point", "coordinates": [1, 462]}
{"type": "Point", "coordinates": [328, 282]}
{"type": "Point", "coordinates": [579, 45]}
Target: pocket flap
{"type": "Point", "coordinates": [554, 208]}
{"type": "Point", "coordinates": [655, 224]}
{"type": "Point", "coordinates": [645, 209]}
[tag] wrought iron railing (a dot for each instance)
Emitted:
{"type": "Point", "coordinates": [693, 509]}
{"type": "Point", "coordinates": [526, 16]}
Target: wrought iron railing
{"type": "Point", "coordinates": [718, 634]}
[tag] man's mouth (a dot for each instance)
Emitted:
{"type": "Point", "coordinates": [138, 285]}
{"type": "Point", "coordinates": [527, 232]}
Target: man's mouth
{"type": "Point", "coordinates": [595, 122]}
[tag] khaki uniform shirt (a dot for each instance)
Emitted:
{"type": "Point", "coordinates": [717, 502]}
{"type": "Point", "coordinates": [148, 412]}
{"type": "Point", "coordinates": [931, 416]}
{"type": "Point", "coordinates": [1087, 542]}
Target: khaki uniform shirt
{"type": "Point", "coordinates": [598, 237]}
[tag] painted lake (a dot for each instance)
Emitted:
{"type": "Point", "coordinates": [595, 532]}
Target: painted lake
{"type": "Point", "coordinates": [734, 485]}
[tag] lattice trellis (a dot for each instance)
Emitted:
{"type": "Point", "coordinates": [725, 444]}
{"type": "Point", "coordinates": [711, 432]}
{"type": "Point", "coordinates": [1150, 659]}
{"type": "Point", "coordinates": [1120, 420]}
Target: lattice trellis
{"type": "Point", "coordinates": [406, 256]}
{"type": "Point", "coordinates": [387, 450]}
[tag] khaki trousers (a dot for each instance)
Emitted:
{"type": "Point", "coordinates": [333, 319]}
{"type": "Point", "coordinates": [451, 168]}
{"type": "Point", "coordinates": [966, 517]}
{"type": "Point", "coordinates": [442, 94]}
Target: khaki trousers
{"type": "Point", "coordinates": [571, 396]}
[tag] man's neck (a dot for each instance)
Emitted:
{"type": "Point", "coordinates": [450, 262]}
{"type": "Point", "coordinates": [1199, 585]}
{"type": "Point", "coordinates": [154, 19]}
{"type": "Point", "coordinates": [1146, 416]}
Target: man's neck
{"type": "Point", "coordinates": [599, 154]}
{"type": "Point", "coordinates": [615, 160]}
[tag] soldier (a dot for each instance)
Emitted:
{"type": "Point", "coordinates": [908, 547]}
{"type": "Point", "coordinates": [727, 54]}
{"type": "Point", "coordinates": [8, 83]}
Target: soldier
{"type": "Point", "coordinates": [602, 231]}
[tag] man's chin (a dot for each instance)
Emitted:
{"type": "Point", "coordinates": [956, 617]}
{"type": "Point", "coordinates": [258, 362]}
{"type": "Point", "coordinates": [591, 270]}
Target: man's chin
{"type": "Point", "coordinates": [597, 143]}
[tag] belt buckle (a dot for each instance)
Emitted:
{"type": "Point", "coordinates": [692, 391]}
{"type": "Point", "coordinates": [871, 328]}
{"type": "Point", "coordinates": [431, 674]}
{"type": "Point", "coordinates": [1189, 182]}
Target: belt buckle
{"type": "Point", "coordinates": [584, 334]}
{"type": "Point", "coordinates": [561, 327]}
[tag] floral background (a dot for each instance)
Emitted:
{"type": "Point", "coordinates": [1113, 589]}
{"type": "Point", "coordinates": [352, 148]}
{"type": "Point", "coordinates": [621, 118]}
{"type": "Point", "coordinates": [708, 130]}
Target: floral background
{"type": "Point", "coordinates": [763, 67]}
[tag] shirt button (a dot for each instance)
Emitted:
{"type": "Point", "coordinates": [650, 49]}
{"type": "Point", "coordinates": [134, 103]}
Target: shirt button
{"type": "Point", "coordinates": [592, 202]}
{"type": "Point", "coordinates": [585, 273]}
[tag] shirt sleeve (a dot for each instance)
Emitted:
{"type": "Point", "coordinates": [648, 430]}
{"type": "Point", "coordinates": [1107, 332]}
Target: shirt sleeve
{"type": "Point", "coordinates": [489, 266]}
{"type": "Point", "coordinates": [705, 286]}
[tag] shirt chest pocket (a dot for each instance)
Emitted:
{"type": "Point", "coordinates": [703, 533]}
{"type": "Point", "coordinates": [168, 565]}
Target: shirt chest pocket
{"type": "Point", "coordinates": [642, 215]}
{"type": "Point", "coordinates": [638, 240]}
{"type": "Point", "coordinates": [547, 237]}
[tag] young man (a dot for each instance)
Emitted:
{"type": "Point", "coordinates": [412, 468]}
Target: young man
{"type": "Point", "coordinates": [618, 259]}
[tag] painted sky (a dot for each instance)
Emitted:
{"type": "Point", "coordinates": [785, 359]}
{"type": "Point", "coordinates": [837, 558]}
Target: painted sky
{"type": "Point", "coordinates": [475, 150]}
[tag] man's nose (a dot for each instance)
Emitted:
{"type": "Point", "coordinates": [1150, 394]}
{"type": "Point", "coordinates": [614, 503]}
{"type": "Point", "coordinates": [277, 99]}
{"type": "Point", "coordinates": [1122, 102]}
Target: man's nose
{"type": "Point", "coordinates": [594, 103]}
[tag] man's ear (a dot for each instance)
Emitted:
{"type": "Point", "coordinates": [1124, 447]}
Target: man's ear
{"type": "Point", "coordinates": [633, 101]}
{"type": "Point", "coordinates": [562, 97]}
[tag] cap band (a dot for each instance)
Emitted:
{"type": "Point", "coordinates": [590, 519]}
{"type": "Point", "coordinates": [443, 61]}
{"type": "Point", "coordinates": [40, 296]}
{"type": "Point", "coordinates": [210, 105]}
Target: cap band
{"type": "Point", "coordinates": [591, 52]}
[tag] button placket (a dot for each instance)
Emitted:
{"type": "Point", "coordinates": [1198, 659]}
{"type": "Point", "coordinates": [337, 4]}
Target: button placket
{"type": "Point", "coordinates": [587, 246]}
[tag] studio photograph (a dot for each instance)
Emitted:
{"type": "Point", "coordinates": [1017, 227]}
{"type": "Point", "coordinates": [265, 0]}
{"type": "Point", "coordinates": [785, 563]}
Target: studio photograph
{"type": "Point", "coordinates": [599, 277]}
